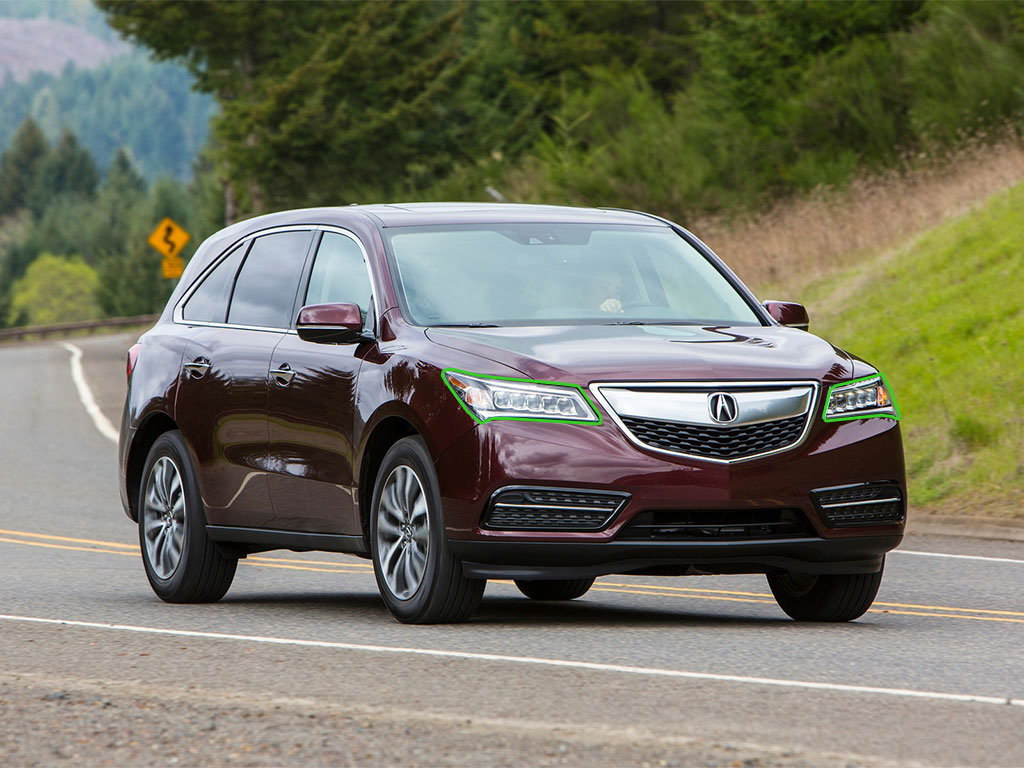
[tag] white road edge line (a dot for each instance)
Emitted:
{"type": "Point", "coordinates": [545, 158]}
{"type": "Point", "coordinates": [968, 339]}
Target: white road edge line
{"type": "Point", "coordinates": [101, 422]}
{"type": "Point", "coordinates": [958, 557]}
{"type": "Point", "coordinates": [563, 663]}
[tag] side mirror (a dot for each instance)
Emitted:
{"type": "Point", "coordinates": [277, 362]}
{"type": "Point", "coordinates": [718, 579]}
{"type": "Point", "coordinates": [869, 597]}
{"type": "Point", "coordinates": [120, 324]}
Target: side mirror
{"type": "Point", "coordinates": [788, 313]}
{"type": "Point", "coordinates": [331, 324]}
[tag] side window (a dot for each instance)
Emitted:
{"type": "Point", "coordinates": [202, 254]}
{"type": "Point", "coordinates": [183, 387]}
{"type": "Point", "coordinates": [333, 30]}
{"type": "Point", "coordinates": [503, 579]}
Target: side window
{"type": "Point", "coordinates": [209, 302]}
{"type": "Point", "coordinates": [339, 274]}
{"type": "Point", "coordinates": [265, 288]}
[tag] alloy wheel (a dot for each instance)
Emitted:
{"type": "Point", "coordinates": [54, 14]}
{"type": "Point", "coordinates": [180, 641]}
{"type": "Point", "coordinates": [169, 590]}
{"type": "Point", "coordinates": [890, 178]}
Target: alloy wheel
{"type": "Point", "coordinates": [403, 528]}
{"type": "Point", "coordinates": [163, 517]}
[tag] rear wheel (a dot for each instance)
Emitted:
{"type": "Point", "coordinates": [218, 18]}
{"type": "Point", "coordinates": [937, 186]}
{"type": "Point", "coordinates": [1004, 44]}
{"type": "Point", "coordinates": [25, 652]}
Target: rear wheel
{"type": "Point", "coordinates": [419, 578]}
{"type": "Point", "coordinates": [182, 564]}
{"type": "Point", "coordinates": [555, 589]}
{"type": "Point", "coordinates": [825, 597]}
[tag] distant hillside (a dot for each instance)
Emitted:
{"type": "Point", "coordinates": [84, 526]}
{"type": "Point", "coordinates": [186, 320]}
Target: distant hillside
{"type": "Point", "coordinates": [48, 45]}
{"type": "Point", "coordinates": [62, 64]}
{"type": "Point", "coordinates": [131, 101]}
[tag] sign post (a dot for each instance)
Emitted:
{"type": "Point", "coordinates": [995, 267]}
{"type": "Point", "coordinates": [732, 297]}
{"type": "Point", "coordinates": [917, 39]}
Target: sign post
{"type": "Point", "coordinates": [170, 239]}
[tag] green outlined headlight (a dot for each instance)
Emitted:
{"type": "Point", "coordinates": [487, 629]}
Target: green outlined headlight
{"type": "Point", "coordinates": [488, 398]}
{"type": "Point", "coordinates": [861, 398]}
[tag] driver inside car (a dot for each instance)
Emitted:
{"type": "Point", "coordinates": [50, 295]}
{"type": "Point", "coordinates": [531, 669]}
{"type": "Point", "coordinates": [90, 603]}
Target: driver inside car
{"type": "Point", "coordinates": [603, 290]}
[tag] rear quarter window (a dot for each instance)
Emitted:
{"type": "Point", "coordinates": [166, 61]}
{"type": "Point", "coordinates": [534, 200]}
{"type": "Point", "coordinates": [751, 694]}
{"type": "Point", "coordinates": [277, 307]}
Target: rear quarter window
{"type": "Point", "coordinates": [209, 302]}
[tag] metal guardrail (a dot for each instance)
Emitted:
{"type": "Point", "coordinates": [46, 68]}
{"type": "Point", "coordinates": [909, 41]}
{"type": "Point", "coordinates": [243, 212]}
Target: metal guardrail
{"type": "Point", "coordinates": [42, 331]}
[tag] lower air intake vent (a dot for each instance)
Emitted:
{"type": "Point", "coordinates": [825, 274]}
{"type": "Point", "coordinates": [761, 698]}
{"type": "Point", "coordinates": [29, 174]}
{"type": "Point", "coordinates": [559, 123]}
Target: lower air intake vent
{"type": "Point", "coordinates": [688, 525]}
{"type": "Point", "coordinates": [552, 509]}
{"type": "Point", "coordinates": [862, 504]}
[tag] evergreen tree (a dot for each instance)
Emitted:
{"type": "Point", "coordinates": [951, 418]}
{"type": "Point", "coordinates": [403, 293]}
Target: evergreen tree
{"type": "Point", "coordinates": [68, 170]}
{"type": "Point", "coordinates": [374, 106]}
{"type": "Point", "coordinates": [19, 166]}
{"type": "Point", "coordinates": [230, 47]}
{"type": "Point", "coordinates": [122, 175]}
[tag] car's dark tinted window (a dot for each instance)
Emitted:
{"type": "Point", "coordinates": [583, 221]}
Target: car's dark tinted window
{"type": "Point", "coordinates": [265, 288]}
{"type": "Point", "coordinates": [339, 274]}
{"type": "Point", "coordinates": [209, 302]}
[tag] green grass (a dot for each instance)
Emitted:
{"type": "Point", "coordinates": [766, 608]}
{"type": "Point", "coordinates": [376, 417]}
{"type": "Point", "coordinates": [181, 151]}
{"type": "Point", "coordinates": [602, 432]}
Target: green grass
{"type": "Point", "coordinates": [943, 317]}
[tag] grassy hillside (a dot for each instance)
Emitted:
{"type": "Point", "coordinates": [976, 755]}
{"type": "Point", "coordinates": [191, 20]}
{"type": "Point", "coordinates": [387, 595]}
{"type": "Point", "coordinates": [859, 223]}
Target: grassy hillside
{"type": "Point", "coordinates": [944, 318]}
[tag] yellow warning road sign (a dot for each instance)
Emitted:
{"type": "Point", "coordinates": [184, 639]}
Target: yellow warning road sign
{"type": "Point", "coordinates": [169, 239]}
{"type": "Point", "coordinates": [172, 266]}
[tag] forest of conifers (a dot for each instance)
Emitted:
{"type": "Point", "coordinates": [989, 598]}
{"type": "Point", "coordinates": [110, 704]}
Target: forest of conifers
{"type": "Point", "coordinates": [681, 108]}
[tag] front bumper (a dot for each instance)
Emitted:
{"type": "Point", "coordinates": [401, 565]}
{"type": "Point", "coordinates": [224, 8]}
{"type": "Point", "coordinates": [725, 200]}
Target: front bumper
{"type": "Point", "coordinates": [576, 560]}
{"type": "Point", "coordinates": [602, 458]}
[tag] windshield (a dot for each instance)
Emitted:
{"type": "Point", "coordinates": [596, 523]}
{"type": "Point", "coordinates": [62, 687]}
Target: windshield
{"type": "Point", "coordinates": [541, 274]}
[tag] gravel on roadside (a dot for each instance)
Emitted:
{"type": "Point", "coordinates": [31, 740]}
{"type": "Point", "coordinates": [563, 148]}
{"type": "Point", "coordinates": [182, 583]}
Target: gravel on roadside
{"type": "Point", "coordinates": [48, 722]}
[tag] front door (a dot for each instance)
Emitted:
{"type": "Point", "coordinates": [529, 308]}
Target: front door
{"type": "Point", "coordinates": [313, 403]}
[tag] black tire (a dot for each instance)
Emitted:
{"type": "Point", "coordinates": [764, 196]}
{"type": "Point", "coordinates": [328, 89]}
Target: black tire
{"type": "Point", "coordinates": [443, 594]}
{"type": "Point", "coordinates": [825, 597]}
{"type": "Point", "coordinates": [555, 589]}
{"type": "Point", "coordinates": [201, 573]}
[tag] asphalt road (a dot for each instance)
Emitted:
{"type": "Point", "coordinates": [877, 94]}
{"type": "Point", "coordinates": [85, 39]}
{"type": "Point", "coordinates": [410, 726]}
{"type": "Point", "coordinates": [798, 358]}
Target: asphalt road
{"type": "Point", "coordinates": [301, 663]}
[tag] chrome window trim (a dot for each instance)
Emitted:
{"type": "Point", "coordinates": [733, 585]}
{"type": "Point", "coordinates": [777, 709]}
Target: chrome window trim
{"type": "Point", "coordinates": [178, 316]}
{"type": "Point", "coordinates": [724, 386]}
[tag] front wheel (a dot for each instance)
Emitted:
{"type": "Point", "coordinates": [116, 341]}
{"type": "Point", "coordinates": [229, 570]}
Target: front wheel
{"type": "Point", "coordinates": [182, 563]}
{"type": "Point", "coordinates": [825, 597]}
{"type": "Point", "coordinates": [555, 589]}
{"type": "Point", "coordinates": [419, 577]}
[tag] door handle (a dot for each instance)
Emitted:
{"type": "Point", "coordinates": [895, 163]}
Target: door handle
{"type": "Point", "coordinates": [197, 368]}
{"type": "Point", "coordinates": [283, 375]}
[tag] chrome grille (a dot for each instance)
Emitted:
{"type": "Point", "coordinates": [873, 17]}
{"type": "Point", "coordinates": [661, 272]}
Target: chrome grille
{"type": "Point", "coordinates": [717, 442]}
{"type": "Point", "coordinates": [687, 418]}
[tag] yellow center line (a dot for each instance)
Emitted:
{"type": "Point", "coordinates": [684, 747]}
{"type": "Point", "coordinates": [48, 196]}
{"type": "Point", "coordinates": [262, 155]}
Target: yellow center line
{"type": "Point", "coordinates": [310, 562]}
{"type": "Point", "coordinates": [671, 594]}
{"type": "Point", "coordinates": [65, 546]}
{"type": "Point", "coordinates": [947, 615]}
{"type": "Point", "coordinates": [768, 595]}
{"type": "Point", "coordinates": [937, 611]}
{"type": "Point", "coordinates": [949, 608]}
{"type": "Point", "coordinates": [48, 537]}
{"type": "Point", "coordinates": [338, 567]}
{"type": "Point", "coordinates": [283, 564]}
{"type": "Point", "coordinates": [688, 589]}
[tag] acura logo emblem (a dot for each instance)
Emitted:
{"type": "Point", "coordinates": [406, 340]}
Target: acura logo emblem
{"type": "Point", "coordinates": [722, 407]}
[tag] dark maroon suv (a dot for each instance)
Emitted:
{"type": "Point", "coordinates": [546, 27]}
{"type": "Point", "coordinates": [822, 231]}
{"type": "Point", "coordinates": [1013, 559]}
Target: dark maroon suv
{"type": "Point", "coordinates": [463, 392]}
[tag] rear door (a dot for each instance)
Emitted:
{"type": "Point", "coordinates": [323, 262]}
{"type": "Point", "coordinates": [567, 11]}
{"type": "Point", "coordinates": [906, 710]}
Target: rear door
{"type": "Point", "coordinates": [312, 401]}
{"type": "Point", "coordinates": [221, 406]}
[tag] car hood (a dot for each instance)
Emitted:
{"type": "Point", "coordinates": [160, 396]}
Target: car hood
{"type": "Point", "coordinates": [586, 354]}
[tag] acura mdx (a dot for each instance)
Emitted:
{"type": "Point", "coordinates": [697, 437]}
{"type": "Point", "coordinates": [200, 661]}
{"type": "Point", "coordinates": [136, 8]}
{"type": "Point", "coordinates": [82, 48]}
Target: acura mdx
{"type": "Point", "coordinates": [463, 392]}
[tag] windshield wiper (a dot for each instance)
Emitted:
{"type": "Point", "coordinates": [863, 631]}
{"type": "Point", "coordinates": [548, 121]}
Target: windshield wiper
{"type": "Point", "coordinates": [466, 325]}
{"type": "Point", "coordinates": [653, 322]}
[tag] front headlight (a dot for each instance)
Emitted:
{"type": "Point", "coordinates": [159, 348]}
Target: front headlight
{"type": "Point", "coordinates": [490, 398]}
{"type": "Point", "coordinates": [860, 399]}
